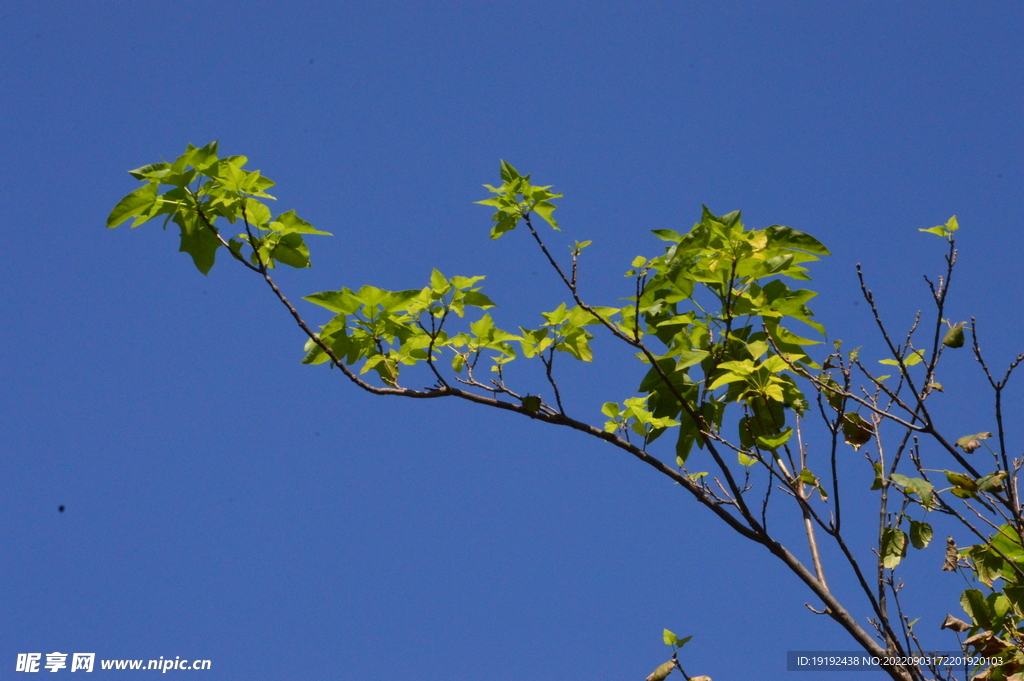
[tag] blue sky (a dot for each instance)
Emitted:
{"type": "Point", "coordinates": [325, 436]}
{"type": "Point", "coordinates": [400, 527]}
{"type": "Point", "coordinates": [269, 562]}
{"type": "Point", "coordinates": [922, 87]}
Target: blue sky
{"type": "Point", "coordinates": [225, 502]}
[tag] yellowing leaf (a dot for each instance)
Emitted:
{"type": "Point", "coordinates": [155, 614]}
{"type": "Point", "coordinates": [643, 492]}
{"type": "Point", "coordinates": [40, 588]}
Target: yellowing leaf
{"type": "Point", "coordinates": [662, 672]}
{"type": "Point", "coordinates": [856, 431]}
{"type": "Point", "coordinates": [969, 443]}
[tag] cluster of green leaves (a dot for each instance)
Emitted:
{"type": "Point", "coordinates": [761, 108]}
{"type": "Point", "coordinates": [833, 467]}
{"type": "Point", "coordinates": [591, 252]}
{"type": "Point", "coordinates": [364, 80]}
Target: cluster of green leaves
{"type": "Point", "coordinates": [997, 619]}
{"type": "Point", "coordinates": [946, 231]}
{"type": "Point", "coordinates": [663, 671]}
{"type": "Point", "coordinates": [717, 302]}
{"type": "Point", "coordinates": [517, 198]}
{"type": "Point", "coordinates": [632, 414]}
{"type": "Point", "coordinates": [204, 187]}
{"type": "Point", "coordinates": [918, 492]}
{"type": "Point", "coordinates": [388, 329]}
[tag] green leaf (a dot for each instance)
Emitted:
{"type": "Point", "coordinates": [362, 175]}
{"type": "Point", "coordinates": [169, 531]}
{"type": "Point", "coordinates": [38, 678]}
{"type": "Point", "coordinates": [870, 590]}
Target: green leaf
{"type": "Point", "coordinates": [314, 354]}
{"type": "Point", "coordinates": [198, 241]}
{"type": "Point", "coordinates": [438, 283]}
{"type": "Point", "coordinates": [954, 338]}
{"type": "Point", "coordinates": [988, 565]}
{"type": "Point", "coordinates": [745, 459]}
{"type": "Point", "coordinates": [463, 283]}
{"type": "Point", "coordinates": [920, 534]}
{"type": "Point", "coordinates": [135, 203]}
{"type": "Point", "coordinates": [256, 213]}
{"type": "Point", "coordinates": [153, 171]}
{"type": "Point", "coordinates": [991, 482]}
{"type": "Point", "coordinates": [920, 486]}
{"type": "Point", "coordinates": [477, 299]}
{"type": "Point", "coordinates": [877, 483]}
{"type": "Point", "coordinates": [774, 442]}
{"type": "Point", "coordinates": [506, 223]}
{"type": "Point", "coordinates": [545, 210]}
{"type": "Point", "coordinates": [1009, 544]}
{"type": "Point", "coordinates": [945, 230]}
{"type": "Point", "coordinates": [289, 222]}
{"type": "Point", "coordinates": [894, 547]}
{"type": "Point", "coordinates": [401, 300]}
{"type": "Point", "coordinates": [667, 235]}
{"type": "Point", "coordinates": [531, 402]}
{"type": "Point", "coordinates": [344, 301]}
{"type": "Point", "coordinates": [200, 159]}
{"type": "Point", "coordinates": [458, 362]}
{"type": "Point", "coordinates": [671, 639]}
{"type": "Point", "coordinates": [973, 603]}
{"type": "Point", "coordinates": [508, 173]}
{"type": "Point", "coordinates": [910, 360]}
{"type": "Point", "coordinates": [291, 250]}
{"type": "Point", "coordinates": [482, 327]}
{"type": "Point", "coordinates": [786, 237]}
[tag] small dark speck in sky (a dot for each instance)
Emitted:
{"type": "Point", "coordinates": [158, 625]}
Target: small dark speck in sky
{"type": "Point", "coordinates": [310, 61]}
{"type": "Point", "coordinates": [61, 508]}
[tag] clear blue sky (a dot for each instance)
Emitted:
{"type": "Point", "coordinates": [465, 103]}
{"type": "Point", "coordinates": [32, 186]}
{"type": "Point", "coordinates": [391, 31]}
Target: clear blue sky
{"type": "Point", "coordinates": [225, 502]}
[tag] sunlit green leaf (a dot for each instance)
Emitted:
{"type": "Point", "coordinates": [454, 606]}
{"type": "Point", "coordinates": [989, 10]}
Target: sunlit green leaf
{"type": "Point", "coordinates": [910, 360]}
{"type": "Point", "coordinates": [478, 299]}
{"type": "Point", "coordinates": [774, 442]}
{"type": "Point", "coordinates": [545, 209]}
{"type": "Point", "coordinates": [291, 250]}
{"type": "Point", "coordinates": [289, 222]}
{"type": "Point", "coordinates": [198, 241]}
{"type": "Point", "coordinates": [779, 236]}
{"type": "Point", "coordinates": [745, 460]}
{"type": "Point", "coordinates": [135, 203]}
{"type": "Point", "coordinates": [920, 486]}
{"type": "Point", "coordinates": [945, 230]}
{"type": "Point", "coordinates": [344, 301]}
